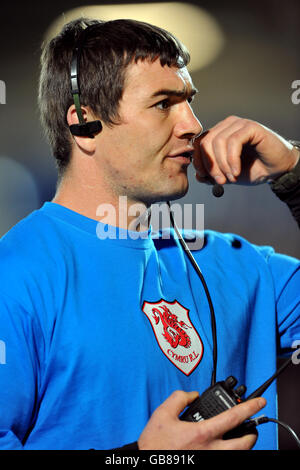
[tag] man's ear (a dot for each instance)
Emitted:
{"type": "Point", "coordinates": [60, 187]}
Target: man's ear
{"type": "Point", "coordinates": [86, 144]}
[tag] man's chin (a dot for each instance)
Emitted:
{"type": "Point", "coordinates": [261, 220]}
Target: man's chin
{"type": "Point", "coordinates": [170, 195]}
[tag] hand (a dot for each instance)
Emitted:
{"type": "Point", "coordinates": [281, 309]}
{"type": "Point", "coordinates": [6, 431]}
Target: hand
{"type": "Point", "coordinates": [166, 431]}
{"type": "Point", "coordinates": [242, 151]}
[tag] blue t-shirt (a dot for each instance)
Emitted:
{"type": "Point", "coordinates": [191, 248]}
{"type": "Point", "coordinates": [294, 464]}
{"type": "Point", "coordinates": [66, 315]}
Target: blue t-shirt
{"type": "Point", "coordinates": [97, 333]}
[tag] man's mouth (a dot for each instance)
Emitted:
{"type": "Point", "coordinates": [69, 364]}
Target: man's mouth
{"type": "Point", "coordinates": [182, 157]}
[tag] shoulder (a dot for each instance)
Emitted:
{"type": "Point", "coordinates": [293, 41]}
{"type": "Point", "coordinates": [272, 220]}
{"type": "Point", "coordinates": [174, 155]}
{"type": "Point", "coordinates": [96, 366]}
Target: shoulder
{"type": "Point", "coordinates": [237, 254]}
{"type": "Point", "coordinates": [213, 241]}
{"type": "Point", "coordinates": [27, 239]}
{"type": "Point", "coordinates": [229, 252]}
{"type": "Point", "coordinates": [28, 259]}
{"type": "Point", "coordinates": [231, 242]}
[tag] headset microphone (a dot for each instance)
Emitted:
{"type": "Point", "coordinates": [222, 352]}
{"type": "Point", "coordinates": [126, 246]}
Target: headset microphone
{"type": "Point", "coordinates": [218, 190]}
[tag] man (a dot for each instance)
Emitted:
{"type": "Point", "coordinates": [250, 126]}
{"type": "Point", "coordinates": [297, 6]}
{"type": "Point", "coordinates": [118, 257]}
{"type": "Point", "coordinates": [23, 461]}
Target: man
{"type": "Point", "coordinates": [109, 339]}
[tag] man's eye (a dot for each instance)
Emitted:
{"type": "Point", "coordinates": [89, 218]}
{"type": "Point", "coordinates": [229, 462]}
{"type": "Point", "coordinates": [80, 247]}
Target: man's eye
{"type": "Point", "coordinates": [163, 105]}
{"type": "Point", "coordinates": [166, 104]}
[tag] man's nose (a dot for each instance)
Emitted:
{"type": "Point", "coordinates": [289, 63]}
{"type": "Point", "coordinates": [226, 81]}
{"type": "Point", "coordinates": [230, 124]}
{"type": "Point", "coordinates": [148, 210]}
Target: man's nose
{"type": "Point", "coordinates": [187, 125]}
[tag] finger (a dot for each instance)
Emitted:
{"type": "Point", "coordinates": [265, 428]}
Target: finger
{"type": "Point", "coordinates": [235, 146]}
{"type": "Point", "coordinates": [227, 154]}
{"type": "Point", "coordinates": [202, 154]}
{"type": "Point", "coordinates": [201, 171]}
{"type": "Point", "coordinates": [221, 125]}
{"type": "Point", "coordinates": [219, 146]}
{"type": "Point", "coordinates": [177, 401]}
{"type": "Point", "coordinates": [197, 158]}
{"type": "Point", "coordinates": [230, 419]}
{"type": "Point", "coordinates": [216, 144]}
{"type": "Point", "coordinates": [209, 163]}
{"type": "Point", "coordinates": [211, 152]}
{"type": "Point", "coordinates": [242, 443]}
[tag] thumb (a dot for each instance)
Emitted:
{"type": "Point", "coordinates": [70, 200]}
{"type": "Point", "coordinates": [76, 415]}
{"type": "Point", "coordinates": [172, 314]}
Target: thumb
{"type": "Point", "coordinates": [176, 402]}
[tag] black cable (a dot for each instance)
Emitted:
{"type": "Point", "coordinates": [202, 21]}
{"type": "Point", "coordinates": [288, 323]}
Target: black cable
{"type": "Point", "coordinates": [265, 419]}
{"type": "Point", "coordinates": [211, 308]}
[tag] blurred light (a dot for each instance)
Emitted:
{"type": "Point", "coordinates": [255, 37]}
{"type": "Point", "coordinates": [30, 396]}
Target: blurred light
{"type": "Point", "coordinates": [18, 193]}
{"type": "Point", "coordinates": [195, 27]}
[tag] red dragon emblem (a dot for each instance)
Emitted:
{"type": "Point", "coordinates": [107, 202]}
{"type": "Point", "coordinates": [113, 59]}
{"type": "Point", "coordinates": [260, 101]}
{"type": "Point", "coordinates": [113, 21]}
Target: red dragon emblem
{"type": "Point", "coordinates": [175, 334]}
{"type": "Point", "coordinates": [173, 329]}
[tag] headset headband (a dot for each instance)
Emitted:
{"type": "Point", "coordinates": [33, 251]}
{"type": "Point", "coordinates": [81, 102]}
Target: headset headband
{"type": "Point", "coordinates": [82, 129]}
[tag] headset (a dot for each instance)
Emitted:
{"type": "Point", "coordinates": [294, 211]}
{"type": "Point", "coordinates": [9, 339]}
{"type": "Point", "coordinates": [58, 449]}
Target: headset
{"type": "Point", "coordinates": [83, 129]}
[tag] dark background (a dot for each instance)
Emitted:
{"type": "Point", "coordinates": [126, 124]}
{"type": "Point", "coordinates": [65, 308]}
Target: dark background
{"type": "Point", "coordinates": [251, 78]}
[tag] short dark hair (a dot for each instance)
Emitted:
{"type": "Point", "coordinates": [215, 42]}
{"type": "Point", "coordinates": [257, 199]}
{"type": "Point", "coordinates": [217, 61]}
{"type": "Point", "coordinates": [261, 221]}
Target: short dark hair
{"type": "Point", "coordinates": [106, 53]}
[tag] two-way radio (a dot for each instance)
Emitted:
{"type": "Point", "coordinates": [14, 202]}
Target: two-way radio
{"type": "Point", "coordinates": [222, 396]}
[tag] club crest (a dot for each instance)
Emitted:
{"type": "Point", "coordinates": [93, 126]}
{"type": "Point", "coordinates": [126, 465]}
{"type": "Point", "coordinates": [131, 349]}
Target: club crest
{"type": "Point", "coordinates": [175, 334]}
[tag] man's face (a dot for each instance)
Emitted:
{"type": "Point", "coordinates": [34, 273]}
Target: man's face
{"type": "Point", "coordinates": [143, 157]}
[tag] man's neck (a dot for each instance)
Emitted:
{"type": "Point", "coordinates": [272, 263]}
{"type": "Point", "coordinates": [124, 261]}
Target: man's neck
{"type": "Point", "coordinates": [96, 202]}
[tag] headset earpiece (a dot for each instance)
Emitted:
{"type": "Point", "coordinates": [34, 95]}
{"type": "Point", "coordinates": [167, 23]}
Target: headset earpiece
{"type": "Point", "coordinates": [88, 129]}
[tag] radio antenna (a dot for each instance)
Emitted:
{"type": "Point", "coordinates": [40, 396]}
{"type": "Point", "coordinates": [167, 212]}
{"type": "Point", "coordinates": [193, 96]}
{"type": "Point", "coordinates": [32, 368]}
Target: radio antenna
{"type": "Point", "coordinates": [260, 390]}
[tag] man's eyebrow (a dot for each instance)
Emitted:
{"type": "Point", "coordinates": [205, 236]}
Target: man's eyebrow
{"type": "Point", "coordinates": [178, 93]}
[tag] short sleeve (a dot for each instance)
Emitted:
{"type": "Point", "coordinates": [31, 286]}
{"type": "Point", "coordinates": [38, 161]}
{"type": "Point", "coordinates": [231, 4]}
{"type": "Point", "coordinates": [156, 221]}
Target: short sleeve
{"type": "Point", "coordinates": [286, 277]}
